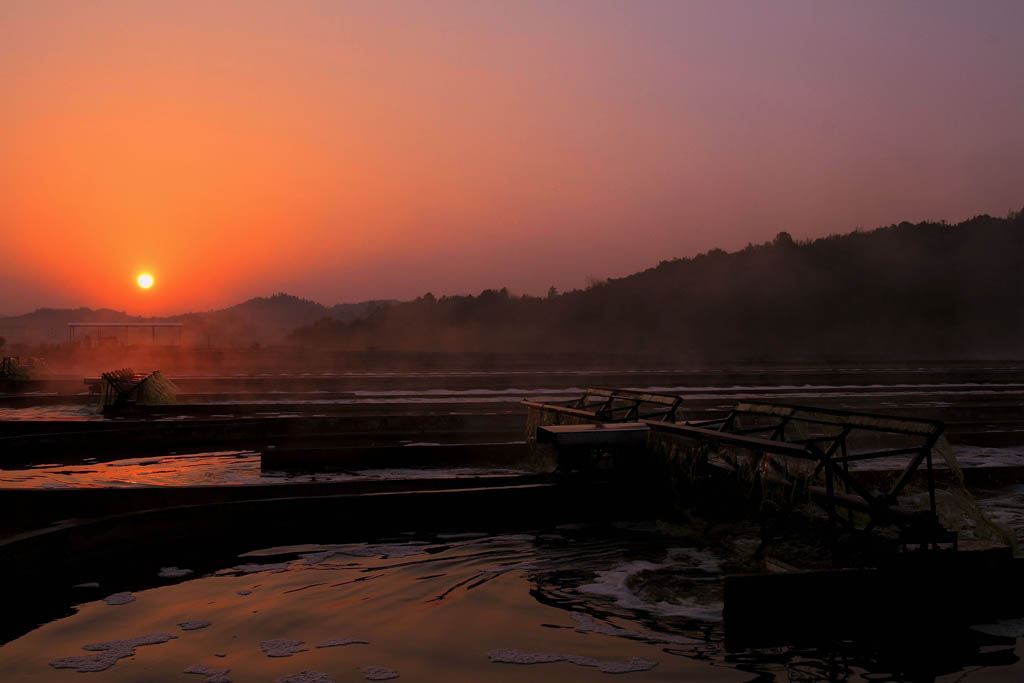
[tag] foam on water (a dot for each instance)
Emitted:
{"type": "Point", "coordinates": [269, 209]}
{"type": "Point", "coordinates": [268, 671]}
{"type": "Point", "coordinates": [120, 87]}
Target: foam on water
{"type": "Point", "coordinates": [1006, 508]}
{"type": "Point", "coordinates": [986, 456]}
{"type": "Point", "coordinates": [339, 642]}
{"type": "Point", "coordinates": [379, 673]}
{"type": "Point", "coordinates": [108, 653]}
{"type": "Point", "coordinates": [173, 572]}
{"type": "Point", "coordinates": [305, 677]}
{"type": "Point", "coordinates": [193, 625]}
{"type": "Point", "coordinates": [281, 647]}
{"type": "Point", "coordinates": [1007, 628]}
{"type": "Point", "coordinates": [119, 598]}
{"type": "Point", "coordinates": [616, 584]}
{"type": "Point", "coordinates": [212, 675]}
{"type": "Point", "coordinates": [408, 612]}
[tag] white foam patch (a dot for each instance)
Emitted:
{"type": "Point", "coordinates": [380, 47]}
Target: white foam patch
{"type": "Point", "coordinates": [379, 673]}
{"type": "Point", "coordinates": [212, 675]}
{"type": "Point", "coordinates": [614, 584]}
{"type": "Point", "coordinates": [108, 653]}
{"type": "Point", "coordinates": [193, 625]}
{"type": "Point", "coordinates": [339, 642]}
{"type": "Point", "coordinates": [587, 624]}
{"type": "Point", "coordinates": [173, 572]}
{"type": "Point", "coordinates": [119, 598]}
{"type": "Point", "coordinates": [608, 666]}
{"type": "Point", "coordinates": [305, 677]}
{"type": "Point", "coordinates": [1009, 628]}
{"type": "Point", "coordinates": [280, 647]}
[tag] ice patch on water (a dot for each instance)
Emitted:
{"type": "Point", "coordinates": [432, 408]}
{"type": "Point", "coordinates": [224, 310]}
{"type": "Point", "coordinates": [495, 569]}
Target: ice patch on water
{"type": "Point", "coordinates": [108, 653]}
{"type": "Point", "coordinates": [280, 647]}
{"type": "Point", "coordinates": [305, 677]}
{"type": "Point", "coordinates": [608, 666]}
{"type": "Point", "coordinates": [212, 675]}
{"type": "Point", "coordinates": [338, 642]}
{"type": "Point", "coordinates": [192, 625]}
{"type": "Point", "coordinates": [1010, 628]}
{"type": "Point", "coordinates": [119, 598]}
{"type": "Point", "coordinates": [173, 572]}
{"type": "Point", "coordinates": [379, 673]}
{"type": "Point", "coordinates": [587, 624]}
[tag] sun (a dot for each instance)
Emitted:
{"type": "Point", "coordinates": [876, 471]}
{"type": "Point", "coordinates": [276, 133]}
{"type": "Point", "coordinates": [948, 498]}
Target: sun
{"type": "Point", "coordinates": [145, 281]}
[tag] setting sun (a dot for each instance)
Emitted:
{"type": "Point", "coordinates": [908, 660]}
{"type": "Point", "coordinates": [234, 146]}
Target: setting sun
{"type": "Point", "coordinates": [145, 281]}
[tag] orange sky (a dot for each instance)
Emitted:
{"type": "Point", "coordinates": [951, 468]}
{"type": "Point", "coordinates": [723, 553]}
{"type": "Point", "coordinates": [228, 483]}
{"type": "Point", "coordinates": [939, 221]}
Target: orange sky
{"type": "Point", "coordinates": [344, 151]}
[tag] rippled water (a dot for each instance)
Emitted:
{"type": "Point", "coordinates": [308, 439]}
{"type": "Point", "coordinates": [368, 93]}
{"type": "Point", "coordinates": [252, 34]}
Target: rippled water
{"type": "Point", "coordinates": [574, 603]}
{"type": "Point", "coordinates": [213, 468]}
{"type": "Point", "coordinates": [924, 394]}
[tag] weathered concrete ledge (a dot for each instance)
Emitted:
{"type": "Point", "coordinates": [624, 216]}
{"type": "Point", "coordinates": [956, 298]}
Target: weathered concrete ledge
{"type": "Point", "coordinates": [31, 509]}
{"type": "Point", "coordinates": [28, 443]}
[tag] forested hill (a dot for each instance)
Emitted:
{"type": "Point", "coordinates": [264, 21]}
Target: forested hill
{"type": "Point", "coordinates": [261, 320]}
{"type": "Point", "coordinates": [930, 290]}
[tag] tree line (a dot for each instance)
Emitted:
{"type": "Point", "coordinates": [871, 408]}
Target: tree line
{"type": "Point", "coordinates": [926, 290]}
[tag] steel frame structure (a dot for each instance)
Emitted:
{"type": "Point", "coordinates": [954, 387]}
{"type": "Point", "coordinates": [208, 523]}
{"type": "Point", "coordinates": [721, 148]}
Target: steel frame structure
{"type": "Point", "coordinates": [761, 429]}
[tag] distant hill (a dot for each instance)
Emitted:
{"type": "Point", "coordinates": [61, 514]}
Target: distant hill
{"type": "Point", "coordinates": [929, 290]}
{"type": "Point", "coordinates": [263, 320]}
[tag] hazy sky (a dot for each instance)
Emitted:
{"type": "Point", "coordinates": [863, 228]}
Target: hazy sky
{"type": "Point", "coordinates": [348, 150]}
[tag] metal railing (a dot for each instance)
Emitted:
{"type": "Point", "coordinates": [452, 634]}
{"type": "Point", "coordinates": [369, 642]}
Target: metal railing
{"type": "Point", "coordinates": [823, 436]}
{"type": "Point", "coordinates": [599, 404]}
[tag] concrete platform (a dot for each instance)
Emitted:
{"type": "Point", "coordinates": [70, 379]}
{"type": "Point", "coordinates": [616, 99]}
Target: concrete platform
{"type": "Point", "coordinates": [928, 590]}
